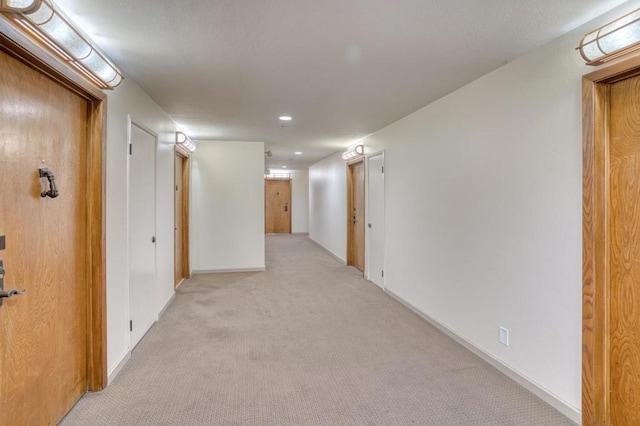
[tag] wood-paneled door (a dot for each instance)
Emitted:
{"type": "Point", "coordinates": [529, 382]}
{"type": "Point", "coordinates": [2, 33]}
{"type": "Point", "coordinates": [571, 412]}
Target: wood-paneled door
{"type": "Point", "coordinates": [611, 246]}
{"type": "Point", "coordinates": [181, 226]}
{"type": "Point", "coordinates": [51, 337]}
{"type": "Point", "coordinates": [355, 215]}
{"type": "Point", "coordinates": [277, 206]}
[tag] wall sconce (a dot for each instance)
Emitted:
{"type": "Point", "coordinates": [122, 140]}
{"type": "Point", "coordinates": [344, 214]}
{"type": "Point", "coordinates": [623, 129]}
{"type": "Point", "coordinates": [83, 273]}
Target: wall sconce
{"type": "Point", "coordinates": [43, 20]}
{"type": "Point", "coordinates": [354, 152]}
{"type": "Point", "coordinates": [184, 143]}
{"type": "Point", "coordinates": [615, 39]}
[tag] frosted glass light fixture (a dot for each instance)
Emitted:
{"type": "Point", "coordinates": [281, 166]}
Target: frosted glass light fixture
{"type": "Point", "coordinates": [615, 39]}
{"type": "Point", "coordinates": [354, 152]}
{"type": "Point", "coordinates": [184, 142]}
{"type": "Point", "coordinates": [43, 20]}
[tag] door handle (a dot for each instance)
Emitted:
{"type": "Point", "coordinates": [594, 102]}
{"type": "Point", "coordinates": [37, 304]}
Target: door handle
{"type": "Point", "coordinates": [8, 293]}
{"type": "Point", "coordinates": [286, 207]}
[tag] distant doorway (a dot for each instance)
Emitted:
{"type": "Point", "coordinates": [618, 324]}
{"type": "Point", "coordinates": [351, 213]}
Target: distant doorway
{"type": "Point", "coordinates": [277, 206]}
{"type": "Point", "coordinates": [355, 219]}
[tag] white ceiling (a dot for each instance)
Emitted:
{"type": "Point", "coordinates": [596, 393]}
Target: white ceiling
{"type": "Point", "coordinates": [226, 69]}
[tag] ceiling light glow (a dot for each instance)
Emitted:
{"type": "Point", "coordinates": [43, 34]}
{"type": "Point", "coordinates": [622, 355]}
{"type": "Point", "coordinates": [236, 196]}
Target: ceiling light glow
{"type": "Point", "coordinates": [298, 153]}
{"type": "Point", "coordinates": [286, 118]}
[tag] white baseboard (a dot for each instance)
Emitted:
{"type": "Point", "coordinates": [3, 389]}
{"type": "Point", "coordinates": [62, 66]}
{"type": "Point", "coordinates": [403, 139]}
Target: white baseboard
{"type": "Point", "coordinates": [329, 252]}
{"type": "Point", "coordinates": [121, 362]}
{"type": "Point", "coordinates": [556, 402]}
{"type": "Point", "coordinates": [220, 271]}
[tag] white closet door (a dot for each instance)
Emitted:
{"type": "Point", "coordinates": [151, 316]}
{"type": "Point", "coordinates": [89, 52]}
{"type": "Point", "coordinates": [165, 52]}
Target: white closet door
{"type": "Point", "coordinates": [142, 213]}
{"type": "Point", "coordinates": [376, 219]}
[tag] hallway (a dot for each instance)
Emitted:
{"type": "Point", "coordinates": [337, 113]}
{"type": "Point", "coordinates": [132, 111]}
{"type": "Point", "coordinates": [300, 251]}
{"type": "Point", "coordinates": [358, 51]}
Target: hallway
{"type": "Point", "coordinates": [308, 342]}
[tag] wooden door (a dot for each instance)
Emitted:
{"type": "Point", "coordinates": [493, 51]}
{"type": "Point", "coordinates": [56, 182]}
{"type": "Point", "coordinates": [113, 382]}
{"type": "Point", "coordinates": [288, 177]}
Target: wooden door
{"type": "Point", "coordinates": [43, 333]}
{"type": "Point", "coordinates": [277, 206]}
{"type": "Point", "coordinates": [624, 252]}
{"type": "Point", "coordinates": [181, 228]}
{"type": "Point", "coordinates": [355, 220]}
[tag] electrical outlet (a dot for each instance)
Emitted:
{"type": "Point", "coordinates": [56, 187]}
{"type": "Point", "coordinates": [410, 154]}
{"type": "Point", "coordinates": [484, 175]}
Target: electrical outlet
{"type": "Point", "coordinates": [504, 336]}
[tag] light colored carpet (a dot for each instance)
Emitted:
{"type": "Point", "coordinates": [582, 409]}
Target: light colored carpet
{"type": "Point", "coordinates": [308, 342]}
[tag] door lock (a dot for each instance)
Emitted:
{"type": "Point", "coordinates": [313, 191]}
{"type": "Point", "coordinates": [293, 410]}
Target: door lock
{"type": "Point", "coordinates": [9, 293]}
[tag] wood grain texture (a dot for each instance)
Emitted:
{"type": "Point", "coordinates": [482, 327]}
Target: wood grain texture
{"type": "Point", "coordinates": [588, 258]}
{"type": "Point", "coordinates": [595, 282]}
{"type": "Point", "coordinates": [277, 206]}
{"type": "Point", "coordinates": [43, 334]}
{"type": "Point", "coordinates": [624, 251]}
{"type": "Point", "coordinates": [96, 228]}
{"type": "Point", "coordinates": [355, 208]}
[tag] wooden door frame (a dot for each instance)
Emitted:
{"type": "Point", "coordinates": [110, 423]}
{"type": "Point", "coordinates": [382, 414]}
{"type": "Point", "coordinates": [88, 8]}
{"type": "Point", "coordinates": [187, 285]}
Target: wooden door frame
{"type": "Point", "coordinates": [184, 211]}
{"type": "Point", "coordinates": [595, 270]}
{"type": "Point", "coordinates": [35, 55]}
{"type": "Point", "coordinates": [350, 209]}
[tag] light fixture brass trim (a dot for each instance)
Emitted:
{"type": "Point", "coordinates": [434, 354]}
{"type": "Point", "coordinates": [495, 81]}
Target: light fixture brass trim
{"type": "Point", "coordinates": [612, 40]}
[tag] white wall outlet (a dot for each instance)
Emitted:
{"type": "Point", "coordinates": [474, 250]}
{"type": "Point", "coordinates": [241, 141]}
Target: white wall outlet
{"type": "Point", "coordinates": [504, 336]}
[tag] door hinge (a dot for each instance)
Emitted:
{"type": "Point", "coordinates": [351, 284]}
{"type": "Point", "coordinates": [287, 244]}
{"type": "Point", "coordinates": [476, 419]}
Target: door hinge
{"type": "Point", "coordinates": [130, 325]}
{"type": "Point", "coordinates": [176, 187]}
{"type": "Point", "coordinates": [382, 273]}
{"type": "Point", "coordinates": [130, 149]}
{"type": "Point", "coordinates": [382, 169]}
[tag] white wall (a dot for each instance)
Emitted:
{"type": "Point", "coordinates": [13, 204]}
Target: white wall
{"type": "Point", "coordinates": [299, 201]}
{"type": "Point", "coordinates": [128, 100]}
{"type": "Point", "coordinates": [227, 206]}
{"type": "Point", "coordinates": [328, 205]}
{"type": "Point", "coordinates": [483, 213]}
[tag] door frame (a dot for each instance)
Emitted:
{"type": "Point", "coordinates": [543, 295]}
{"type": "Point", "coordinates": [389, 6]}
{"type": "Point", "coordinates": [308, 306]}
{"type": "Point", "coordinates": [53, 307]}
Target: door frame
{"type": "Point", "coordinates": [33, 54]}
{"type": "Point", "coordinates": [595, 270]}
{"type": "Point", "coordinates": [184, 211]}
{"type": "Point", "coordinates": [350, 260]}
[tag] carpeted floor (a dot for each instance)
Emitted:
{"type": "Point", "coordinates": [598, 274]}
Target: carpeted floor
{"type": "Point", "coordinates": [308, 342]}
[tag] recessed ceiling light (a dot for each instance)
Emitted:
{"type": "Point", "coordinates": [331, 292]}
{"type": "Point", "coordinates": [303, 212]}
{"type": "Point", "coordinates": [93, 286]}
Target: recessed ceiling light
{"type": "Point", "coordinates": [298, 153]}
{"type": "Point", "coordinates": [284, 167]}
{"type": "Point", "coordinates": [285, 118]}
